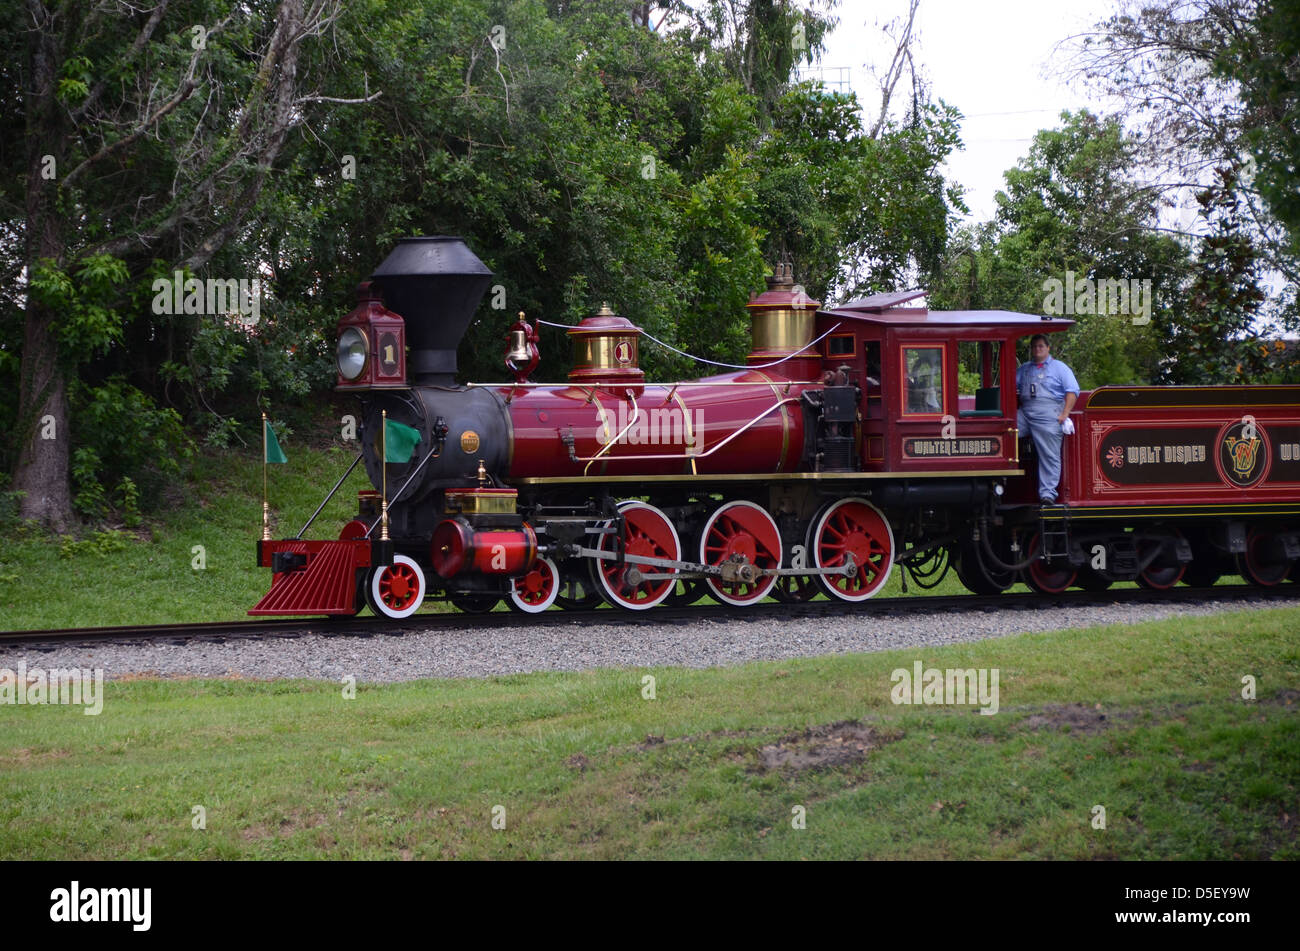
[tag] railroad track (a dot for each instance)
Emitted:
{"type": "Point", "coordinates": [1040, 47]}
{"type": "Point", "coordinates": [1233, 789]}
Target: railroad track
{"type": "Point", "coordinates": [219, 631]}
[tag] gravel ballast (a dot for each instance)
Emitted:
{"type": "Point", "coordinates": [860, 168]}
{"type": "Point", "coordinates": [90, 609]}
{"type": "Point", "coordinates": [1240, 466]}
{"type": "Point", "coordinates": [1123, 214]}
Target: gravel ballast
{"type": "Point", "coordinates": [481, 650]}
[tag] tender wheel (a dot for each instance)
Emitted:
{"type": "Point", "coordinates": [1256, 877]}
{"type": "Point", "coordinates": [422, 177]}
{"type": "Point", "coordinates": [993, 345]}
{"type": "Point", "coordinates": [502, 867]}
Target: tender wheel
{"type": "Point", "coordinates": [647, 533]}
{"type": "Point", "coordinates": [1165, 570]}
{"type": "Point", "coordinates": [1045, 578]}
{"type": "Point", "coordinates": [396, 590]}
{"type": "Point", "coordinates": [852, 527]}
{"type": "Point", "coordinates": [743, 534]}
{"type": "Point", "coordinates": [1264, 562]}
{"type": "Point", "coordinates": [477, 602]}
{"type": "Point", "coordinates": [537, 589]}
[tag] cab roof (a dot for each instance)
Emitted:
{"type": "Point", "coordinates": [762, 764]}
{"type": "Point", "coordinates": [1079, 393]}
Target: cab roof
{"type": "Point", "coordinates": [888, 309]}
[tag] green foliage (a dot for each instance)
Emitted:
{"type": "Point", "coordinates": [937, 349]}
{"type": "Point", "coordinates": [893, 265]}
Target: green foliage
{"type": "Point", "coordinates": [9, 501]}
{"type": "Point", "coordinates": [99, 544]}
{"type": "Point", "coordinates": [91, 500]}
{"type": "Point", "coordinates": [1260, 58]}
{"type": "Point", "coordinates": [88, 321]}
{"type": "Point", "coordinates": [127, 499]}
{"type": "Point", "coordinates": [968, 381]}
{"type": "Point", "coordinates": [124, 440]}
{"type": "Point", "coordinates": [592, 160]}
{"type": "Point", "coordinates": [1210, 341]}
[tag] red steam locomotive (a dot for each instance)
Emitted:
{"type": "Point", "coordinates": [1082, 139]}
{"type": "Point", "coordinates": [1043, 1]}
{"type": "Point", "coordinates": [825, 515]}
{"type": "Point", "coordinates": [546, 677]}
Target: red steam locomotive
{"type": "Point", "coordinates": [841, 448]}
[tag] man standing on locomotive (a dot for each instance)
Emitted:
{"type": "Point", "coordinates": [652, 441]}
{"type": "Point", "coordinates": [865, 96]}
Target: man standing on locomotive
{"type": "Point", "coordinates": [1046, 391]}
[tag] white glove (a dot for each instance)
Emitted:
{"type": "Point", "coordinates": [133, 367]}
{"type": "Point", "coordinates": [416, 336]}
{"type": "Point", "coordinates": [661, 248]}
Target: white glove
{"type": "Point", "coordinates": [1067, 427]}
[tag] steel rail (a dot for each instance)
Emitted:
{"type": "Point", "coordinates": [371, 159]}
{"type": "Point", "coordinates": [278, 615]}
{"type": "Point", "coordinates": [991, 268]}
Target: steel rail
{"type": "Point", "coordinates": [459, 621]}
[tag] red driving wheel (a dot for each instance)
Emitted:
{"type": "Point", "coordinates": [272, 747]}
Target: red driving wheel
{"type": "Point", "coordinates": [743, 534]}
{"type": "Point", "coordinates": [647, 533]}
{"type": "Point", "coordinates": [852, 527]}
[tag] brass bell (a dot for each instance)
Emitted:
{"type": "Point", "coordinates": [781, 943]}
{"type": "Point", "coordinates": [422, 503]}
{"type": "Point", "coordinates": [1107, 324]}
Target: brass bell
{"type": "Point", "coordinates": [518, 352]}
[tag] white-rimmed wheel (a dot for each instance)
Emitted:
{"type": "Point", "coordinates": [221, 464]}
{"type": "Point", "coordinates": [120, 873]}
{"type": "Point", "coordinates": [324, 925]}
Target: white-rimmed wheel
{"type": "Point", "coordinates": [396, 590]}
{"type": "Point", "coordinates": [535, 590]}
{"type": "Point", "coordinates": [852, 527]}
{"type": "Point", "coordinates": [647, 533]}
{"type": "Point", "coordinates": [742, 537]}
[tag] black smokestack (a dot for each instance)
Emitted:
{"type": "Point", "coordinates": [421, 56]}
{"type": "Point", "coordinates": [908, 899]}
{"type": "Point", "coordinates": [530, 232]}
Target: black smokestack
{"type": "Point", "coordinates": [435, 284]}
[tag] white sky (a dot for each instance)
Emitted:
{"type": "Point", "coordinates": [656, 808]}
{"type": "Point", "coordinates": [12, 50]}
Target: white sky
{"type": "Point", "coordinates": [992, 59]}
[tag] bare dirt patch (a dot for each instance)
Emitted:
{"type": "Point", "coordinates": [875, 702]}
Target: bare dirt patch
{"type": "Point", "coordinates": [577, 761]}
{"type": "Point", "coordinates": [287, 826]}
{"type": "Point", "coordinates": [823, 747]}
{"type": "Point", "coordinates": [26, 757]}
{"type": "Point", "coordinates": [1284, 698]}
{"type": "Point", "coordinates": [653, 739]}
{"type": "Point", "coordinates": [1073, 718]}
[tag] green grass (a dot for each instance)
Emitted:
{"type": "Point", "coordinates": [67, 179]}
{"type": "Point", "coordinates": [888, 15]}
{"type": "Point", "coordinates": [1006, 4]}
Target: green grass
{"type": "Point", "coordinates": [586, 768]}
{"type": "Point", "coordinates": [153, 579]}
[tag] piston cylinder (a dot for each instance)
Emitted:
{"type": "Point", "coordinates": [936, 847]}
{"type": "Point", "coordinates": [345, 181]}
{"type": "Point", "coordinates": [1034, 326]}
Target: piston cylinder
{"type": "Point", "coordinates": [458, 547]}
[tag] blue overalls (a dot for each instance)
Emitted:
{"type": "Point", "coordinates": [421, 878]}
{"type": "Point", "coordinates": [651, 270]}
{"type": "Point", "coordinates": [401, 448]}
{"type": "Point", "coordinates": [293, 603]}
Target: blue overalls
{"type": "Point", "coordinates": [1042, 390]}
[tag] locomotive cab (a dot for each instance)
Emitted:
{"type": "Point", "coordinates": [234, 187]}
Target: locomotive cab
{"type": "Point", "coordinates": [913, 417]}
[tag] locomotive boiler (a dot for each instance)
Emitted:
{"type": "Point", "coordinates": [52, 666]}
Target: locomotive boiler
{"type": "Point", "coordinates": [840, 448]}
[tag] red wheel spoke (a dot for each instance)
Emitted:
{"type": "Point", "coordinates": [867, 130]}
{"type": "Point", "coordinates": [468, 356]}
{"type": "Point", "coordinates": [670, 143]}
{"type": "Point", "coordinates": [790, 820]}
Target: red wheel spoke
{"type": "Point", "coordinates": [852, 528]}
{"type": "Point", "coordinates": [740, 534]}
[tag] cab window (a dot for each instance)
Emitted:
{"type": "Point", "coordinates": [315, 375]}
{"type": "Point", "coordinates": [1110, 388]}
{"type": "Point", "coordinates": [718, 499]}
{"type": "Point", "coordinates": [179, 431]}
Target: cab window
{"type": "Point", "coordinates": [923, 380]}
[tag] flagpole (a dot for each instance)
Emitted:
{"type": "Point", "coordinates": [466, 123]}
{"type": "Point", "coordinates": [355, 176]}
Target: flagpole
{"type": "Point", "coordinates": [266, 509]}
{"type": "Point", "coordinates": [383, 532]}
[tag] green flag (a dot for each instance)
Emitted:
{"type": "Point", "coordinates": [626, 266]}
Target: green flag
{"type": "Point", "coordinates": [273, 451]}
{"type": "Point", "coordinates": [400, 443]}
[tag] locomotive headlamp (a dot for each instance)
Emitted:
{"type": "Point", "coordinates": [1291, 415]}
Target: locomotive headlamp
{"type": "Point", "coordinates": [352, 353]}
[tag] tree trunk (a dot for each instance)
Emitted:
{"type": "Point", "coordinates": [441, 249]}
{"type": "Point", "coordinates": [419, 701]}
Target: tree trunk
{"type": "Point", "coordinates": [42, 470]}
{"type": "Point", "coordinates": [42, 431]}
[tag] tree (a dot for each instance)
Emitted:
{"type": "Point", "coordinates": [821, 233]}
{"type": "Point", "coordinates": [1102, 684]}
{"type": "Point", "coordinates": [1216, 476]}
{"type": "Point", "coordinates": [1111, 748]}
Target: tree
{"type": "Point", "coordinates": [1207, 82]}
{"type": "Point", "coordinates": [584, 157]}
{"type": "Point", "coordinates": [150, 136]}
{"type": "Point", "coordinates": [1262, 62]}
{"type": "Point", "coordinates": [1074, 210]}
{"type": "Point", "coordinates": [1208, 335]}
